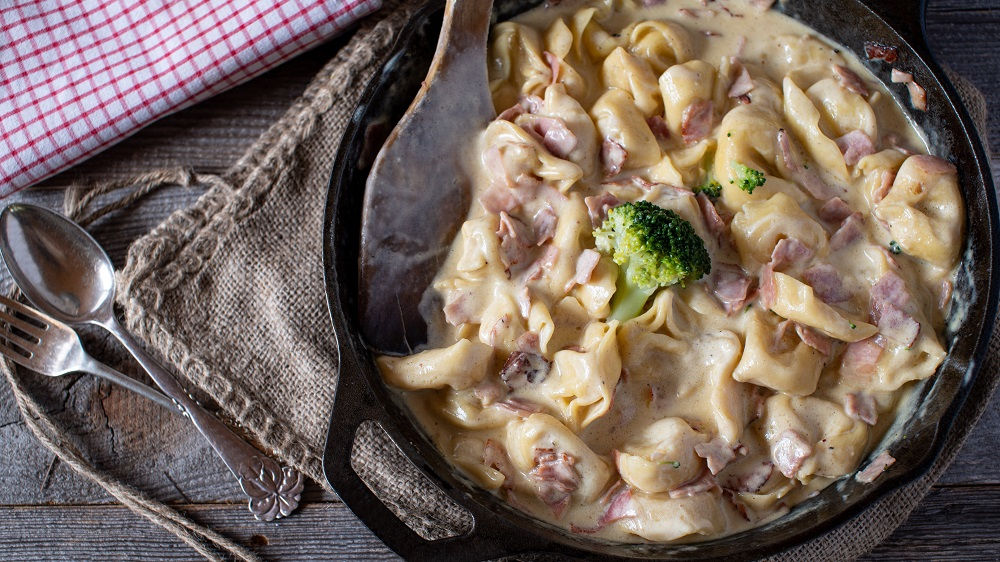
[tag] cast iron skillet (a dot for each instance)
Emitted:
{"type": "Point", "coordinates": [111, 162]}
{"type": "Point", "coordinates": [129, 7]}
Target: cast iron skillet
{"type": "Point", "coordinates": [500, 530]}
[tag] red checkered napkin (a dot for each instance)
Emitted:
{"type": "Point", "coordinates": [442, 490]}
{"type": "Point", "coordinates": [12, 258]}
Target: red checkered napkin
{"type": "Point", "coordinates": [77, 76]}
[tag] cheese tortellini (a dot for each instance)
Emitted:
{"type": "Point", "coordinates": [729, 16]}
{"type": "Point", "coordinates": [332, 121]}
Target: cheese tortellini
{"type": "Point", "coordinates": [725, 400]}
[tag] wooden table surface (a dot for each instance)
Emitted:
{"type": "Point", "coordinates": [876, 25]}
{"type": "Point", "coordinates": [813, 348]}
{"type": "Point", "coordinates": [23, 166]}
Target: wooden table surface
{"type": "Point", "coordinates": [47, 511]}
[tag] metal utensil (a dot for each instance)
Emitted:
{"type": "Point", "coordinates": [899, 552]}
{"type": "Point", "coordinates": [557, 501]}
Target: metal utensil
{"type": "Point", "coordinates": [418, 193]}
{"type": "Point", "coordinates": [64, 272]}
{"type": "Point", "coordinates": [47, 346]}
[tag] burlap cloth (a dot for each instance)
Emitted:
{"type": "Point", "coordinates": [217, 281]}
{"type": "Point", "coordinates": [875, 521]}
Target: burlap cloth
{"type": "Point", "coordinates": [230, 293]}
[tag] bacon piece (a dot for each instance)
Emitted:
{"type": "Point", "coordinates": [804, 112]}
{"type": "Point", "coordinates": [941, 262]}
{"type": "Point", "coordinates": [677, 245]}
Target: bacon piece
{"type": "Point", "coordinates": [717, 454]}
{"type": "Point", "coordinates": [899, 77]}
{"type": "Point", "coordinates": [585, 265]}
{"type": "Point", "coordinates": [742, 84]}
{"type": "Point", "coordinates": [598, 207]}
{"type": "Point", "coordinates": [731, 286]}
{"type": "Point", "coordinates": [613, 155]}
{"type": "Point", "coordinates": [495, 457]}
{"type": "Point", "coordinates": [875, 50]}
{"type": "Point", "coordinates": [855, 145]}
{"type": "Point", "coordinates": [713, 221]}
{"type": "Point", "coordinates": [620, 504]}
{"type": "Point", "coordinates": [808, 179]}
{"type": "Point", "coordinates": [552, 132]}
{"type": "Point", "coordinates": [918, 96]}
{"type": "Point", "coordinates": [751, 480]}
{"type": "Point", "coordinates": [898, 326]}
{"type": "Point", "coordinates": [544, 224]}
{"type": "Point", "coordinates": [850, 81]}
{"type": "Point", "coordinates": [790, 451]}
{"type": "Point", "coordinates": [498, 199]}
{"type": "Point", "coordinates": [544, 263]}
{"type": "Point", "coordinates": [814, 339]}
{"type": "Point", "coordinates": [554, 66]}
{"type": "Point", "coordinates": [861, 406]}
{"type": "Point", "coordinates": [659, 127]}
{"type": "Point", "coordinates": [458, 307]}
{"type": "Point", "coordinates": [944, 295]}
{"type": "Point", "coordinates": [523, 368]}
{"type": "Point", "coordinates": [888, 176]}
{"type": "Point", "coordinates": [835, 211]}
{"type": "Point", "coordinates": [767, 289]}
{"type": "Point", "coordinates": [861, 357]}
{"type": "Point", "coordinates": [515, 239]}
{"type": "Point", "coordinates": [789, 252]}
{"type": "Point", "coordinates": [889, 289]}
{"type": "Point", "coordinates": [848, 233]}
{"type": "Point", "coordinates": [881, 463]}
{"type": "Point", "coordinates": [555, 478]}
{"type": "Point", "coordinates": [696, 121]}
{"type": "Point", "coordinates": [826, 283]}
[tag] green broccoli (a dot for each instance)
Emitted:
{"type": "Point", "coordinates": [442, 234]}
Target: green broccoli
{"type": "Point", "coordinates": [748, 178]}
{"type": "Point", "coordinates": [654, 248]}
{"type": "Point", "coordinates": [711, 188]}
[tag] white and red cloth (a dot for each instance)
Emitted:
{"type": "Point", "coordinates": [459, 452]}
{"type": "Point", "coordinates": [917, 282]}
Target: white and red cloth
{"type": "Point", "coordinates": [77, 76]}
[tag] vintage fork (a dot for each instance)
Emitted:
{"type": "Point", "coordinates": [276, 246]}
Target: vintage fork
{"type": "Point", "coordinates": [38, 342]}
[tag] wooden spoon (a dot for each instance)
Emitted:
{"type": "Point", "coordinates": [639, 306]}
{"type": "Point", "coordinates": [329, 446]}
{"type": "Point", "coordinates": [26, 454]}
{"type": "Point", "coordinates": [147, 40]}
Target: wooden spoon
{"type": "Point", "coordinates": [418, 193]}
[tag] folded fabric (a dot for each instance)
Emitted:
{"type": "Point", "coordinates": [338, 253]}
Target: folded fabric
{"type": "Point", "coordinates": [78, 76]}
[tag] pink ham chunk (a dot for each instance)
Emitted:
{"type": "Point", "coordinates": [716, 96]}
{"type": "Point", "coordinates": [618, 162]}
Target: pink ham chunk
{"type": "Point", "coordinates": [717, 454]}
{"type": "Point", "coordinates": [515, 239]}
{"type": "Point", "coordinates": [613, 155]}
{"type": "Point", "coordinates": [731, 286]}
{"type": "Point", "coordinates": [861, 357]}
{"type": "Point", "coordinates": [713, 221]}
{"type": "Point", "coordinates": [889, 303]}
{"type": "Point", "coordinates": [789, 452]}
{"type": "Point", "coordinates": [855, 145]}
{"type": "Point", "coordinates": [808, 179]}
{"type": "Point", "coordinates": [658, 125]}
{"type": "Point", "coordinates": [789, 252]}
{"type": "Point", "coordinates": [850, 80]}
{"type": "Point", "coordinates": [850, 231]}
{"type": "Point", "coordinates": [585, 265]}
{"type": "Point", "coordinates": [742, 84]}
{"type": "Point", "coordinates": [704, 483]}
{"type": "Point", "coordinates": [552, 133]}
{"type": "Point", "coordinates": [598, 207]}
{"type": "Point", "coordinates": [751, 479]}
{"type": "Point", "coordinates": [696, 121]}
{"type": "Point", "coordinates": [767, 288]}
{"type": "Point", "coordinates": [555, 478]}
{"type": "Point", "coordinates": [814, 339]}
{"type": "Point", "coordinates": [542, 265]}
{"type": "Point", "coordinates": [881, 463]}
{"type": "Point", "coordinates": [826, 283]}
{"type": "Point", "coordinates": [835, 211]}
{"type": "Point", "coordinates": [861, 406]}
{"type": "Point", "coordinates": [544, 224]}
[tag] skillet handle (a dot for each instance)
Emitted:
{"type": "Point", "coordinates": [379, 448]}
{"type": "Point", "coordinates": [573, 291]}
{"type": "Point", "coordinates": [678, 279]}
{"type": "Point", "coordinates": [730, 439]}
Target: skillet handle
{"type": "Point", "coordinates": [490, 537]}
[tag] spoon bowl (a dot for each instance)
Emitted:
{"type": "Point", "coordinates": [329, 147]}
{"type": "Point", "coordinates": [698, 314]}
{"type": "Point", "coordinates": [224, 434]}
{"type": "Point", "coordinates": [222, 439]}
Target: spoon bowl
{"type": "Point", "coordinates": [57, 264]}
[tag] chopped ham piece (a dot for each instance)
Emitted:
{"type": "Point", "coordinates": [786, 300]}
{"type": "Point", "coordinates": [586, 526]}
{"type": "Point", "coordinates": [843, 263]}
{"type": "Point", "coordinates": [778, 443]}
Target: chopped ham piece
{"type": "Point", "coordinates": [835, 211]}
{"type": "Point", "coordinates": [944, 295]}
{"type": "Point", "coordinates": [742, 84]}
{"type": "Point", "coordinates": [881, 51]}
{"type": "Point", "coordinates": [888, 176]}
{"type": "Point", "coordinates": [613, 156]}
{"type": "Point", "coordinates": [696, 121]}
{"type": "Point", "coordinates": [881, 463]}
{"type": "Point", "coordinates": [918, 96]}
{"type": "Point", "coordinates": [731, 286]}
{"type": "Point", "coordinates": [789, 452]}
{"type": "Point", "coordinates": [814, 339]}
{"type": "Point", "coordinates": [900, 77]}
{"type": "Point", "coordinates": [585, 265]}
{"type": "Point", "coordinates": [515, 239]}
{"type": "Point", "coordinates": [659, 127]}
{"type": "Point", "coordinates": [855, 146]}
{"type": "Point", "coordinates": [552, 132]}
{"type": "Point", "coordinates": [498, 199]}
{"type": "Point", "coordinates": [544, 224]}
{"type": "Point", "coordinates": [850, 81]}
{"type": "Point", "coordinates": [713, 221]}
{"type": "Point", "coordinates": [528, 342]}
{"type": "Point", "coordinates": [555, 478]}
{"type": "Point", "coordinates": [512, 113]}
{"type": "Point", "coordinates": [520, 406]}
{"type": "Point", "coordinates": [459, 307]}
{"type": "Point", "coordinates": [598, 207]}
{"type": "Point", "coordinates": [495, 457]}
{"type": "Point", "coordinates": [532, 103]}
{"type": "Point", "coordinates": [620, 504]}
{"type": "Point", "coordinates": [789, 252]}
{"type": "Point", "coordinates": [826, 283]}
{"type": "Point", "coordinates": [488, 392]}
{"type": "Point", "coordinates": [523, 368]}
{"type": "Point", "coordinates": [849, 232]}
{"type": "Point", "coordinates": [544, 263]}
{"type": "Point", "coordinates": [767, 294]}
{"type": "Point", "coordinates": [554, 65]}
{"type": "Point", "coordinates": [861, 357]}
{"type": "Point", "coordinates": [751, 480]}
{"type": "Point", "coordinates": [717, 454]}
{"type": "Point", "coordinates": [861, 406]}
{"type": "Point", "coordinates": [808, 179]}
{"type": "Point", "coordinates": [891, 289]}
{"type": "Point", "coordinates": [897, 325]}
{"type": "Point", "coordinates": [704, 483]}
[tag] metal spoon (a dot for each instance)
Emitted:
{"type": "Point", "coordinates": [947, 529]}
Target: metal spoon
{"type": "Point", "coordinates": [63, 271]}
{"type": "Point", "coordinates": [418, 193]}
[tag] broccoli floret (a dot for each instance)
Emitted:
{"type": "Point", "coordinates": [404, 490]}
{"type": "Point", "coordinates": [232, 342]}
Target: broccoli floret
{"type": "Point", "coordinates": [711, 188]}
{"type": "Point", "coordinates": [654, 248]}
{"type": "Point", "coordinates": [747, 178]}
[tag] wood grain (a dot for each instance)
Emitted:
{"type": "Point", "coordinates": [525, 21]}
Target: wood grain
{"type": "Point", "coordinates": [48, 511]}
